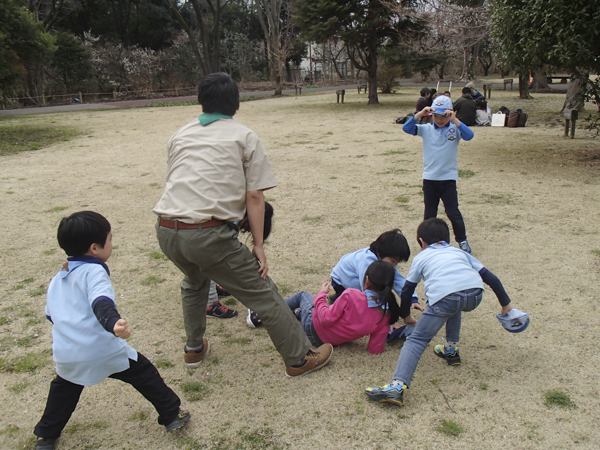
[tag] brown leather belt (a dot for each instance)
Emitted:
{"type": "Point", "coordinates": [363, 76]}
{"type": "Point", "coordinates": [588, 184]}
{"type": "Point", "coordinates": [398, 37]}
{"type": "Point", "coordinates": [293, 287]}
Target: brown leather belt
{"type": "Point", "coordinates": [177, 225]}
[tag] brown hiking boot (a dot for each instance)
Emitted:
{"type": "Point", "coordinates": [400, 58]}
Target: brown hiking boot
{"type": "Point", "coordinates": [315, 359]}
{"type": "Point", "coordinates": [193, 358]}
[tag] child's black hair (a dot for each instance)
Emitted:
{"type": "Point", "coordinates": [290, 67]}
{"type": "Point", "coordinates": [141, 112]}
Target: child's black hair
{"type": "Point", "coordinates": [77, 232]}
{"type": "Point", "coordinates": [391, 244]}
{"type": "Point", "coordinates": [433, 92]}
{"type": "Point", "coordinates": [245, 224]}
{"type": "Point", "coordinates": [425, 91]}
{"type": "Point", "coordinates": [467, 90]}
{"type": "Point", "coordinates": [481, 103]}
{"type": "Point", "coordinates": [381, 275]}
{"type": "Point", "coordinates": [218, 93]}
{"type": "Point", "coordinates": [432, 231]}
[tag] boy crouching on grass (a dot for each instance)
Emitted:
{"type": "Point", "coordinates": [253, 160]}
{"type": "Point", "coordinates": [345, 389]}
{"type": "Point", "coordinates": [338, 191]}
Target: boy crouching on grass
{"type": "Point", "coordinates": [88, 333]}
{"type": "Point", "coordinates": [453, 283]}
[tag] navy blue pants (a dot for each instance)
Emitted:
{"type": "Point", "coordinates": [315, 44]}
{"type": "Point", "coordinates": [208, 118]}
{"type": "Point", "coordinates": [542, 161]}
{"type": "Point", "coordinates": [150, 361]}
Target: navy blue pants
{"type": "Point", "coordinates": [142, 375]}
{"type": "Point", "coordinates": [433, 192]}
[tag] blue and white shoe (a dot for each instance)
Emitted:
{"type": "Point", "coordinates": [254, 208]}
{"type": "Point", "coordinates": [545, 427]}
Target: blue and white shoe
{"type": "Point", "coordinates": [390, 393]}
{"type": "Point", "coordinates": [464, 246]}
{"type": "Point", "coordinates": [452, 356]}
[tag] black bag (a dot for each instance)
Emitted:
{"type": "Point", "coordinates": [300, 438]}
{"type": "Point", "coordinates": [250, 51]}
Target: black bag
{"type": "Point", "coordinates": [401, 120]}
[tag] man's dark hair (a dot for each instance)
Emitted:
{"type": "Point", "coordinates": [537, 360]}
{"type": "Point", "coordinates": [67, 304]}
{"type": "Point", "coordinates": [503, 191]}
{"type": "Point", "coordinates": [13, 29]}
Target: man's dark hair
{"type": "Point", "coordinates": [77, 232]}
{"type": "Point", "coordinates": [432, 231]}
{"type": "Point", "coordinates": [467, 90]}
{"type": "Point", "coordinates": [391, 243]}
{"type": "Point", "coordinates": [425, 91]}
{"type": "Point", "coordinates": [218, 93]}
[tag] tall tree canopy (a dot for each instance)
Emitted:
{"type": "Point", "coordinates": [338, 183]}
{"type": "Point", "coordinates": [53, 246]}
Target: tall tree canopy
{"type": "Point", "coordinates": [364, 26]}
{"type": "Point", "coordinates": [564, 35]}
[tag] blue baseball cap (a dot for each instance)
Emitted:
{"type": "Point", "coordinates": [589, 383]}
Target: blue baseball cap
{"type": "Point", "coordinates": [441, 104]}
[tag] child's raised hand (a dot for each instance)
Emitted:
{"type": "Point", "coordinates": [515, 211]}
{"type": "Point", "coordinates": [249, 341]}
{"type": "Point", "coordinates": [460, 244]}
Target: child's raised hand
{"type": "Point", "coordinates": [423, 112]}
{"type": "Point", "coordinates": [121, 329]}
{"type": "Point", "coordinates": [325, 287]}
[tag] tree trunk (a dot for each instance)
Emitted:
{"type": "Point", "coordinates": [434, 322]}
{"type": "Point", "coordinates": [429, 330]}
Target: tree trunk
{"type": "Point", "coordinates": [372, 83]}
{"type": "Point", "coordinates": [539, 81]}
{"type": "Point", "coordinates": [524, 86]}
{"type": "Point", "coordinates": [440, 70]}
{"type": "Point", "coordinates": [575, 95]}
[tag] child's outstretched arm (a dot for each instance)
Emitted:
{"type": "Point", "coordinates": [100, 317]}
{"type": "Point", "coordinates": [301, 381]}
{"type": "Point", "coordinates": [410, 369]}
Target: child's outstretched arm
{"type": "Point", "coordinates": [494, 282]}
{"type": "Point", "coordinates": [405, 302]}
{"type": "Point", "coordinates": [106, 312]}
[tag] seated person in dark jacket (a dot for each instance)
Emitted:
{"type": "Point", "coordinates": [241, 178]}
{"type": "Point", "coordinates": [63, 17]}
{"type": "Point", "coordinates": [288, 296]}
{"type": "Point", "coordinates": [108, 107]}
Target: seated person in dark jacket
{"type": "Point", "coordinates": [465, 108]}
{"type": "Point", "coordinates": [424, 100]}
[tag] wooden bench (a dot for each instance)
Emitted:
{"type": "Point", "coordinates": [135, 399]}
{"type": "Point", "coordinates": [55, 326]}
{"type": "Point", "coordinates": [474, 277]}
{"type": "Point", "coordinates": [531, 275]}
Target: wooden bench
{"type": "Point", "coordinates": [563, 79]}
{"type": "Point", "coordinates": [340, 93]}
{"type": "Point", "coordinates": [508, 81]}
{"type": "Point", "coordinates": [362, 85]}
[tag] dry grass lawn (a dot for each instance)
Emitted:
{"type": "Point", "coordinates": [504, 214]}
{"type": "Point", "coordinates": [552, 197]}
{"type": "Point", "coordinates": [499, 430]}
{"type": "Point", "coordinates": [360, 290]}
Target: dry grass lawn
{"type": "Point", "coordinates": [346, 173]}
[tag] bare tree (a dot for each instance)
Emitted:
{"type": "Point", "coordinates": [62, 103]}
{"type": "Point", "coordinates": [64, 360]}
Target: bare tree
{"type": "Point", "coordinates": [208, 18]}
{"type": "Point", "coordinates": [276, 22]}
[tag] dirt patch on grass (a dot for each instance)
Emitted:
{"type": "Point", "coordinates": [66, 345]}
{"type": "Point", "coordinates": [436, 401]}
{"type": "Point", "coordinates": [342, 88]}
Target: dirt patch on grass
{"type": "Point", "coordinates": [346, 173]}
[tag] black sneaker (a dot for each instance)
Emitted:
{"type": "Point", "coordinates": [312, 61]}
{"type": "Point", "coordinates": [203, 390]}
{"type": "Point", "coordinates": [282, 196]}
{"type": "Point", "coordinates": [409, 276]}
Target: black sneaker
{"type": "Point", "coordinates": [179, 422]}
{"type": "Point", "coordinates": [45, 443]}
{"type": "Point", "coordinates": [252, 319]}
{"type": "Point", "coordinates": [222, 292]}
{"type": "Point", "coordinates": [220, 311]}
{"type": "Point", "coordinates": [388, 393]}
{"type": "Point", "coordinates": [452, 357]}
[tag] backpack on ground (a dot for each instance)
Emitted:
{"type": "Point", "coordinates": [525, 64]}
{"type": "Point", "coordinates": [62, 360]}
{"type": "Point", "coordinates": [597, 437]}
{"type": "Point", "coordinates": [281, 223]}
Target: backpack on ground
{"type": "Point", "coordinates": [401, 120]}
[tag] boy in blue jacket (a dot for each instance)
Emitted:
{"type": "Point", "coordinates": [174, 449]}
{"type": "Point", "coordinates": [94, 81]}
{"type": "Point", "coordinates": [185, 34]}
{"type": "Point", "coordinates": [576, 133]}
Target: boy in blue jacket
{"type": "Point", "coordinates": [88, 334]}
{"type": "Point", "coordinates": [440, 162]}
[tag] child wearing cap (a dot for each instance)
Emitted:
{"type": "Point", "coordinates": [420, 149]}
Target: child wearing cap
{"type": "Point", "coordinates": [440, 162]}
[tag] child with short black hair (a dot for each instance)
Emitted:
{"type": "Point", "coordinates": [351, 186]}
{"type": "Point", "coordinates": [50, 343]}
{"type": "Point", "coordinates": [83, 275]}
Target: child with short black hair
{"type": "Point", "coordinates": [88, 334]}
{"type": "Point", "coordinates": [440, 162]}
{"type": "Point", "coordinates": [453, 283]}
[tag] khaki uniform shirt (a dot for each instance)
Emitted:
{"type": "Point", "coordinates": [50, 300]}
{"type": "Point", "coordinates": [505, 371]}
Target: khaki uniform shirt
{"type": "Point", "coordinates": [209, 170]}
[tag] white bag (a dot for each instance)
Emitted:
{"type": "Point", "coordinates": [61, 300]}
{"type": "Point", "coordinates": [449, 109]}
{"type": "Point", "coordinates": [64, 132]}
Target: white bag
{"type": "Point", "coordinates": [498, 120]}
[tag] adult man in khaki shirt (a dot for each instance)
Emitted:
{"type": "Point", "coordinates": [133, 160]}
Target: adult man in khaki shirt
{"type": "Point", "coordinates": [217, 170]}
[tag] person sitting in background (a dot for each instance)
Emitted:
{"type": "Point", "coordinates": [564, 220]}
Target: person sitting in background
{"type": "Point", "coordinates": [465, 108]}
{"type": "Point", "coordinates": [474, 92]}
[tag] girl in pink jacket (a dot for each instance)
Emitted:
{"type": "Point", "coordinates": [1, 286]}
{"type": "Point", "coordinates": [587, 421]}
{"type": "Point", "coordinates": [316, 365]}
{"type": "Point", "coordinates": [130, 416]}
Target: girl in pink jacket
{"type": "Point", "coordinates": [354, 314]}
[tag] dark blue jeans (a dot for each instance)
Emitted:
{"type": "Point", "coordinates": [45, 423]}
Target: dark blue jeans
{"type": "Point", "coordinates": [445, 311]}
{"type": "Point", "coordinates": [433, 192]}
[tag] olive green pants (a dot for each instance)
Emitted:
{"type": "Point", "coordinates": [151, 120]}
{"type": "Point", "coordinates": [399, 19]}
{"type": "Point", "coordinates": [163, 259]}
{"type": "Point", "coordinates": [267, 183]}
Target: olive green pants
{"type": "Point", "coordinates": [216, 254]}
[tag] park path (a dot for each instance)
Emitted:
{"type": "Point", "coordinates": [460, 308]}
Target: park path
{"type": "Point", "coordinates": [145, 101]}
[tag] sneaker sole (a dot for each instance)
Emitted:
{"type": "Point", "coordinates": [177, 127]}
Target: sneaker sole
{"type": "Point", "coordinates": [384, 400]}
{"type": "Point", "coordinates": [197, 364]}
{"type": "Point", "coordinates": [222, 317]}
{"type": "Point", "coordinates": [311, 370]}
{"type": "Point", "coordinates": [180, 426]}
{"type": "Point", "coordinates": [249, 320]}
